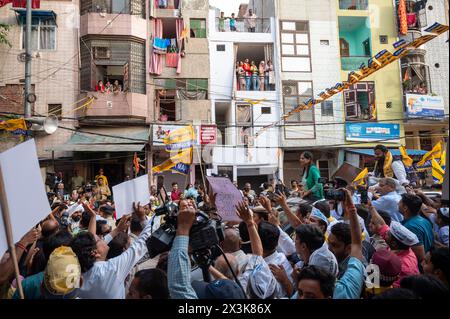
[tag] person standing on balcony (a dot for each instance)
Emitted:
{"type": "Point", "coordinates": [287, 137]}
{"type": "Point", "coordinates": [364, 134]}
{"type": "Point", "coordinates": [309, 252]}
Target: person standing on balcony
{"type": "Point", "coordinates": [100, 87]}
{"type": "Point", "coordinates": [248, 74]}
{"type": "Point", "coordinates": [269, 76]}
{"type": "Point", "coordinates": [222, 22]}
{"type": "Point", "coordinates": [241, 76]}
{"type": "Point", "coordinates": [232, 23]}
{"type": "Point", "coordinates": [250, 20]}
{"type": "Point", "coordinates": [255, 76]}
{"type": "Point", "coordinates": [262, 73]}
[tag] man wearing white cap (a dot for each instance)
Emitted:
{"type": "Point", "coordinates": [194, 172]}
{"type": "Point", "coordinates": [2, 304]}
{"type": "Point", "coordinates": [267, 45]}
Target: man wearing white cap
{"type": "Point", "coordinates": [400, 240]}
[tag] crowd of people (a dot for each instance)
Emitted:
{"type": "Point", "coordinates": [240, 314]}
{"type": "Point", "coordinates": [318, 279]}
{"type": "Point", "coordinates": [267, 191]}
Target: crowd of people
{"type": "Point", "coordinates": [384, 240]}
{"type": "Point", "coordinates": [251, 77]}
{"type": "Point", "coordinates": [115, 88]}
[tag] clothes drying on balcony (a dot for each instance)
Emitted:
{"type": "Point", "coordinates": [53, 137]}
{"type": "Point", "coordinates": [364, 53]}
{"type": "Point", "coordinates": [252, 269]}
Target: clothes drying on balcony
{"type": "Point", "coordinates": [172, 60]}
{"type": "Point", "coordinates": [160, 45]}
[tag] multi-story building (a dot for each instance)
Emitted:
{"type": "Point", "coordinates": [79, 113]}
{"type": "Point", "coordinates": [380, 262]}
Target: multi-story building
{"type": "Point", "coordinates": [425, 75]}
{"type": "Point", "coordinates": [242, 105]}
{"type": "Point", "coordinates": [373, 108]}
{"type": "Point", "coordinates": [55, 63]}
{"type": "Point", "coordinates": [309, 63]}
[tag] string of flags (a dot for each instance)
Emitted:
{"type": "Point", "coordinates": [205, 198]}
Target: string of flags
{"type": "Point", "coordinates": [180, 142]}
{"type": "Point", "coordinates": [374, 64]}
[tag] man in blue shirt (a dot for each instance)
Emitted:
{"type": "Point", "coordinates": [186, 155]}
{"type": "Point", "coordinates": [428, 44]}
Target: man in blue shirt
{"type": "Point", "coordinates": [410, 206]}
{"type": "Point", "coordinates": [389, 199]}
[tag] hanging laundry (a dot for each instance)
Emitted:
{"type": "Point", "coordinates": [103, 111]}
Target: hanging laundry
{"type": "Point", "coordinates": [160, 45]}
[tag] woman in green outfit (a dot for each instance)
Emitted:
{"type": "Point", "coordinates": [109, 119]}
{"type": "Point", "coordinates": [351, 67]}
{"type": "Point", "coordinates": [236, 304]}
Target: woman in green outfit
{"type": "Point", "coordinates": [310, 179]}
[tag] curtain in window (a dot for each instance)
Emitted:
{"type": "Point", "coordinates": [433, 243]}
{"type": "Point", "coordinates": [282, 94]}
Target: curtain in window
{"type": "Point", "coordinates": [156, 60]}
{"type": "Point", "coordinates": [191, 95]}
{"type": "Point", "coordinates": [179, 30]}
{"type": "Point", "coordinates": [243, 114]}
{"type": "Point", "coordinates": [47, 35]}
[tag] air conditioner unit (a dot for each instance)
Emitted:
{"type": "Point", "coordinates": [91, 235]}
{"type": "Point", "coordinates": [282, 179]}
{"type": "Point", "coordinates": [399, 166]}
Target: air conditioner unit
{"type": "Point", "coordinates": [102, 53]}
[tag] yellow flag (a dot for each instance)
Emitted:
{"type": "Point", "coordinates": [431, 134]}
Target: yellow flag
{"type": "Point", "coordinates": [361, 176]}
{"type": "Point", "coordinates": [184, 156]}
{"type": "Point", "coordinates": [254, 102]}
{"type": "Point", "coordinates": [443, 160]}
{"type": "Point", "coordinates": [182, 134]}
{"type": "Point", "coordinates": [14, 124]}
{"type": "Point", "coordinates": [408, 161]}
{"type": "Point", "coordinates": [436, 152]}
{"type": "Point", "coordinates": [437, 171]}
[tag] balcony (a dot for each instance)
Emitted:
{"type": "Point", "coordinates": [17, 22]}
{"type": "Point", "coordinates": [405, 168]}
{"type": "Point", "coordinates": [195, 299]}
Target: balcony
{"type": "Point", "coordinates": [415, 17]}
{"type": "Point", "coordinates": [354, 42]}
{"type": "Point", "coordinates": [113, 24]}
{"type": "Point", "coordinates": [133, 7]}
{"type": "Point", "coordinates": [115, 105]}
{"type": "Point", "coordinates": [415, 75]}
{"type": "Point", "coordinates": [167, 8]}
{"type": "Point", "coordinates": [251, 25]}
{"type": "Point", "coordinates": [352, 63]}
{"type": "Point", "coordinates": [353, 4]}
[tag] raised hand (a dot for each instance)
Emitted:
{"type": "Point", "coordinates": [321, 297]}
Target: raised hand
{"type": "Point", "coordinates": [265, 202]}
{"type": "Point", "coordinates": [244, 212]}
{"type": "Point", "coordinates": [124, 223]}
{"type": "Point", "coordinates": [186, 218]}
{"type": "Point", "coordinates": [274, 218]}
{"type": "Point", "coordinates": [30, 237]}
{"type": "Point", "coordinates": [280, 199]}
{"type": "Point", "coordinates": [139, 210]}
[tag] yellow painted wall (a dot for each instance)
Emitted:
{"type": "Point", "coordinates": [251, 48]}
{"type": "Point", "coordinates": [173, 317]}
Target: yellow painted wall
{"type": "Point", "coordinates": [387, 81]}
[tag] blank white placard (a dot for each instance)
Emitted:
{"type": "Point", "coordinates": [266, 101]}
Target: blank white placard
{"type": "Point", "coordinates": [128, 192]}
{"type": "Point", "coordinates": [25, 189]}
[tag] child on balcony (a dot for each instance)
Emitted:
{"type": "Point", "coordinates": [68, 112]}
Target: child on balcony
{"type": "Point", "coordinates": [222, 22]}
{"type": "Point", "coordinates": [100, 87]}
{"type": "Point", "coordinates": [232, 23]}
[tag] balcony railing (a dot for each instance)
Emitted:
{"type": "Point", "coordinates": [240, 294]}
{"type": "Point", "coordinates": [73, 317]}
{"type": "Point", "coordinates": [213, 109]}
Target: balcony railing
{"type": "Point", "coordinates": [168, 4]}
{"type": "Point", "coordinates": [416, 19]}
{"type": "Point", "coordinates": [135, 7]}
{"type": "Point", "coordinates": [353, 4]}
{"type": "Point", "coordinates": [352, 63]}
{"type": "Point", "coordinates": [227, 24]}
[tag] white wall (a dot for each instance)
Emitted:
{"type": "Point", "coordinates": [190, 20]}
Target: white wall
{"type": "Point", "coordinates": [437, 52]}
{"type": "Point", "coordinates": [321, 15]}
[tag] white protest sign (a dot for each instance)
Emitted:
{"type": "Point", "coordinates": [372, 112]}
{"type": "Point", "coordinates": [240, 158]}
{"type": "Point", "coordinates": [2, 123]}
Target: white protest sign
{"type": "Point", "coordinates": [25, 190]}
{"type": "Point", "coordinates": [228, 196]}
{"type": "Point", "coordinates": [128, 192]}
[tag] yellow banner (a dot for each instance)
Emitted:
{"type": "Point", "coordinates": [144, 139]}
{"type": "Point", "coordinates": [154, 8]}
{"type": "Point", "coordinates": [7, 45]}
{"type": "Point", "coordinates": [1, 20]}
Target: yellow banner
{"type": "Point", "coordinates": [443, 160]}
{"type": "Point", "coordinates": [14, 124]}
{"type": "Point", "coordinates": [407, 161]}
{"type": "Point", "coordinates": [182, 134]}
{"type": "Point", "coordinates": [436, 152]}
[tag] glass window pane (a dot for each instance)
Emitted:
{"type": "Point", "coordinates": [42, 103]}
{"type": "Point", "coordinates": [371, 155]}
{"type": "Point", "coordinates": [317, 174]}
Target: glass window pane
{"type": "Point", "coordinates": [48, 38]}
{"type": "Point", "coordinates": [288, 49]}
{"type": "Point", "coordinates": [288, 26]}
{"type": "Point", "coordinates": [307, 115]}
{"type": "Point", "coordinates": [302, 50]}
{"type": "Point", "coordinates": [304, 88]}
{"type": "Point", "coordinates": [287, 37]}
{"type": "Point", "coordinates": [301, 26]}
{"type": "Point", "coordinates": [202, 84]}
{"type": "Point", "coordinates": [301, 38]}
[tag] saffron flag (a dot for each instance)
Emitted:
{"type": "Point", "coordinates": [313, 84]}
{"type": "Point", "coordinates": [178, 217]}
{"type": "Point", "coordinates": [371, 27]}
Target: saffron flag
{"type": "Point", "coordinates": [360, 178]}
{"type": "Point", "coordinates": [14, 124]}
{"type": "Point", "coordinates": [407, 161]}
{"type": "Point", "coordinates": [136, 164]}
{"type": "Point", "coordinates": [437, 172]}
{"type": "Point", "coordinates": [436, 152]}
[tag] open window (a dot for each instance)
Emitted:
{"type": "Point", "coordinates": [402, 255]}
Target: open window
{"type": "Point", "coordinates": [359, 102]}
{"type": "Point", "coordinates": [244, 123]}
{"type": "Point", "coordinates": [43, 29]}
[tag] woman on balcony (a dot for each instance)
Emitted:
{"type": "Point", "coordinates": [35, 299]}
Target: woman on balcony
{"type": "Point", "coordinates": [241, 76]}
{"type": "Point", "coordinates": [255, 76]}
{"type": "Point", "coordinates": [248, 74]}
{"type": "Point", "coordinates": [270, 76]}
{"type": "Point", "coordinates": [262, 73]}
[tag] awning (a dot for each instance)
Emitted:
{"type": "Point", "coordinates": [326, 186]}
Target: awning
{"type": "Point", "coordinates": [97, 142]}
{"type": "Point", "coordinates": [42, 14]}
{"type": "Point", "coordinates": [395, 152]}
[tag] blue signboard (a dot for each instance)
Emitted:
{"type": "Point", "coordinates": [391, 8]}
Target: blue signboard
{"type": "Point", "coordinates": [370, 132]}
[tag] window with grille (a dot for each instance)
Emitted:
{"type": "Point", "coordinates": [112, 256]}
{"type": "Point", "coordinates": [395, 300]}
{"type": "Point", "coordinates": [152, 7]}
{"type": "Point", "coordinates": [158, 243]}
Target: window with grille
{"type": "Point", "coordinates": [244, 122]}
{"type": "Point", "coordinates": [326, 108]}
{"type": "Point", "coordinates": [359, 102]}
{"type": "Point", "coordinates": [198, 28]}
{"type": "Point", "coordinates": [43, 34]}
{"type": "Point", "coordinates": [295, 92]}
